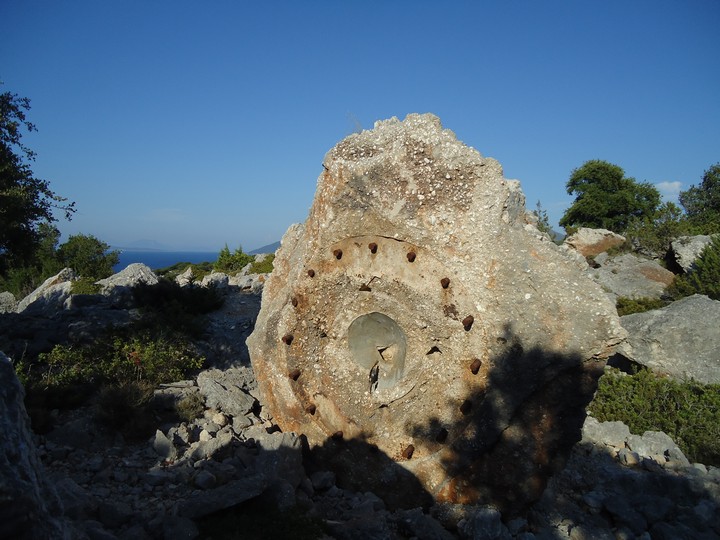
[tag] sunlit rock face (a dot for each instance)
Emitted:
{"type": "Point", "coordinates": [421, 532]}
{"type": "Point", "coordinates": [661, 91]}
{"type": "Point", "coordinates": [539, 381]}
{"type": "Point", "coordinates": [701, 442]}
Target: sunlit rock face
{"type": "Point", "coordinates": [417, 316]}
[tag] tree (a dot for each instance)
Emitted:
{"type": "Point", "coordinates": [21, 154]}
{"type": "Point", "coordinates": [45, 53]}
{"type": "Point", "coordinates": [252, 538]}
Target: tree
{"type": "Point", "coordinates": [702, 203]}
{"type": "Point", "coordinates": [606, 199]}
{"type": "Point", "coordinates": [543, 222]}
{"type": "Point", "coordinates": [26, 202]}
{"type": "Point", "coordinates": [88, 256]}
{"type": "Point", "coordinates": [652, 235]}
{"type": "Point", "coordinates": [704, 278]}
{"type": "Point", "coordinates": [234, 262]}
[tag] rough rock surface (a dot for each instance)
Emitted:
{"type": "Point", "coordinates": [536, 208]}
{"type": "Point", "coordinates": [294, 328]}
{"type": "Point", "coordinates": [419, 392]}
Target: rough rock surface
{"type": "Point", "coordinates": [414, 313]}
{"type": "Point", "coordinates": [631, 276]}
{"type": "Point", "coordinates": [680, 340]}
{"type": "Point", "coordinates": [118, 287]}
{"type": "Point", "coordinates": [51, 295]}
{"type": "Point", "coordinates": [29, 506]}
{"type": "Point", "coordinates": [8, 304]}
{"type": "Point", "coordinates": [687, 249]}
{"type": "Point", "coordinates": [590, 242]}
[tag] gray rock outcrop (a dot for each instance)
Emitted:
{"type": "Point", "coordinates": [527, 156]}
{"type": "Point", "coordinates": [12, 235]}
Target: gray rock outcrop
{"type": "Point", "coordinates": [118, 287]}
{"type": "Point", "coordinates": [51, 296]}
{"type": "Point", "coordinates": [8, 304]}
{"type": "Point", "coordinates": [413, 312]}
{"type": "Point", "coordinates": [687, 249]}
{"type": "Point", "coordinates": [29, 506]}
{"type": "Point", "coordinates": [680, 340]}
{"type": "Point", "coordinates": [631, 276]}
{"type": "Point", "coordinates": [588, 242]}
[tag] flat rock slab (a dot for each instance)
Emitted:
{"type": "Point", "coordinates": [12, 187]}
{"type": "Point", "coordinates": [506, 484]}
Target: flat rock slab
{"type": "Point", "coordinates": [417, 317]}
{"type": "Point", "coordinates": [679, 340]}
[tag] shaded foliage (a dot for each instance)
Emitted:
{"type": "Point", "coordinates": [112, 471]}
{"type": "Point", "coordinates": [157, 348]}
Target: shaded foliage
{"type": "Point", "coordinates": [628, 306]}
{"type": "Point", "coordinates": [232, 262]}
{"type": "Point", "coordinates": [689, 412]}
{"type": "Point", "coordinates": [26, 202]}
{"type": "Point", "coordinates": [704, 278]}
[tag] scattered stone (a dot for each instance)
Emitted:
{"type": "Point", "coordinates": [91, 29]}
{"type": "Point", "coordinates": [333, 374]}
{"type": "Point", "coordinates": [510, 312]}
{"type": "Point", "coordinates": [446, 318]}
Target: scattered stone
{"type": "Point", "coordinates": [631, 276]}
{"type": "Point", "coordinates": [8, 303]}
{"type": "Point", "coordinates": [205, 480]}
{"type": "Point", "coordinates": [164, 446]}
{"type": "Point", "coordinates": [227, 390]}
{"type": "Point", "coordinates": [49, 297]}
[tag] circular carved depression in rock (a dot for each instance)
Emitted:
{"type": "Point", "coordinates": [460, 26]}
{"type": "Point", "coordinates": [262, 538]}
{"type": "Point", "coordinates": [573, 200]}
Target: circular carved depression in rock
{"type": "Point", "coordinates": [378, 344]}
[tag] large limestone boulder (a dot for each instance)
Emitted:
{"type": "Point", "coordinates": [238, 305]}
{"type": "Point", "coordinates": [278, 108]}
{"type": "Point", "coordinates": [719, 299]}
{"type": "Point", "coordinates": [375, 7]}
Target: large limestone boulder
{"type": "Point", "coordinates": [589, 242]}
{"type": "Point", "coordinates": [680, 340]}
{"type": "Point", "coordinates": [29, 506]}
{"type": "Point", "coordinates": [413, 319]}
{"type": "Point", "coordinates": [51, 295]}
{"type": "Point", "coordinates": [118, 287]}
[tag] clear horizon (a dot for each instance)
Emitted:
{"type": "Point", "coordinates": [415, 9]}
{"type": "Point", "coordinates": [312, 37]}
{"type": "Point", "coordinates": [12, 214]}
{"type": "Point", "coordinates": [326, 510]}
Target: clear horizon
{"type": "Point", "coordinates": [199, 125]}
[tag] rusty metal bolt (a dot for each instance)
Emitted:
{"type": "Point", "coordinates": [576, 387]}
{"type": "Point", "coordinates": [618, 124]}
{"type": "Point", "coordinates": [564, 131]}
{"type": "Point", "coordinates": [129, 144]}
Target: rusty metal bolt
{"type": "Point", "coordinates": [337, 436]}
{"type": "Point", "coordinates": [466, 406]}
{"type": "Point", "coordinates": [445, 282]}
{"type": "Point", "coordinates": [442, 435]}
{"type": "Point", "coordinates": [287, 339]}
{"type": "Point", "coordinates": [310, 408]}
{"type": "Point", "coordinates": [311, 273]}
{"type": "Point", "coordinates": [475, 366]}
{"type": "Point", "coordinates": [411, 256]}
{"type": "Point", "coordinates": [408, 452]}
{"type": "Point", "coordinates": [294, 301]}
{"type": "Point", "coordinates": [372, 247]}
{"type": "Point", "coordinates": [467, 322]}
{"type": "Point", "coordinates": [294, 374]}
{"type": "Point", "coordinates": [338, 254]}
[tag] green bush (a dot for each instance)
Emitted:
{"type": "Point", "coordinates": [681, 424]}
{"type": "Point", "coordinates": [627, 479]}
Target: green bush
{"type": "Point", "coordinates": [627, 306]}
{"type": "Point", "coordinates": [689, 412]}
{"type": "Point", "coordinates": [88, 256]}
{"type": "Point", "coordinates": [85, 286]}
{"type": "Point", "coordinates": [120, 360]}
{"type": "Point", "coordinates": [199, 270]}
{"type": "Point", "coordinates": [705, 278]}
{"type": "Point", "coordinates": [263, 267]}
{"type": "Point", "coordinates": [229, 263]}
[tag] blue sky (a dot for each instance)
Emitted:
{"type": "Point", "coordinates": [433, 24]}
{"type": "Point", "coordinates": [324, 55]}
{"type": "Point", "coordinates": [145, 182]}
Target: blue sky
{"type": "Point", "coordinates": [195, 124]}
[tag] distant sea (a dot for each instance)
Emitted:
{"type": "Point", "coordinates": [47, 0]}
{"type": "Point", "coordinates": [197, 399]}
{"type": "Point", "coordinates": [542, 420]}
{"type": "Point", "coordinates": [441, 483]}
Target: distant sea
{"type": "Point", "coordinates": [162, 259]}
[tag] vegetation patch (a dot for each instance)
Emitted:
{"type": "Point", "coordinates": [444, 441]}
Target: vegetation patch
{"type": "Point", "coordinates": [190, 407]}
{"type": "Point", "coordinates": [85, 286]}
{"type": "Point", "coordinates": [264, 266]}
{"type": "Point", "coordinates": [705, 278]}
{"type": "Point", "coordinates": [628, 306]}
{"type": "Point", "coordinates": [689, 412]}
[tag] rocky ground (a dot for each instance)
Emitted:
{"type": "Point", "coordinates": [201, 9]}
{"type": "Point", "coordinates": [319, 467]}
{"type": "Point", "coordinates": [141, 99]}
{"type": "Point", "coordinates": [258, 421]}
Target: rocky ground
{"type": "Point", "coordinates": [190, 475]}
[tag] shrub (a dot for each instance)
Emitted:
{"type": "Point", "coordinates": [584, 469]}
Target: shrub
{"type": "Point", "coordinates": [200, 270]}
{"type": "Point", "coordinates": [263, 267]}
{"type": "Point", "coordinates": [120, 360]}
{"type": "Point", "coordinates": [88, 256]}
{"type": "Point", "coordinates": [627, 306]}
{"type": "Point", "coordinates": [125, 407]}
{"type": "Point", "coordinates": [705, 278]}
{"type": "Point", "coordinates": [85, 286]}
{"type": "Point", "coordinates": [190, 407]}
{"type": "Point", "coordinates": [689, 412]}
{"type": "Point", "coordinates": [229, 263]}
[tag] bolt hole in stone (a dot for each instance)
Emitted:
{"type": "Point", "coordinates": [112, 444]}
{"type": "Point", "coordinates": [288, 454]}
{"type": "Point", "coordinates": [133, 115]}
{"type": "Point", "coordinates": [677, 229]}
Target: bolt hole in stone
{"type": "Point", "coordinates": [294, 374]}
{"type": "Point", "coordinates": [467, 322]}
{"type": "Point", "coordinates": [287, 339]}
{"type": "Point", "coordinates": [475, 366]}
{"type": "Point", "coordinates": [411, 256]}
{"type": "Point", "coordinates": [338, 254]}
{"type": "Point", "coordinates": [466, 407]}
{"type": "Point", "coordinates": [408, 452]}
{"type": "Point", "coordinates": [311, 409]}
{"type": "Point", "coordinates": [311, 273]}
{"type": "Point", "coordinates": [433, 350]}
{"type": "Point", "coordinates": [365, 288]}
{"type": "Point", "coordinates": [294, 301]}
{"type": "Point", "coordinates": [442, 435]}
{"type": "Point", "coordinates": [378, 345]}
{"type": "Point", "coordinates": [373, 247]}
{"type": "Point", "coordinates": [445, 282]}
